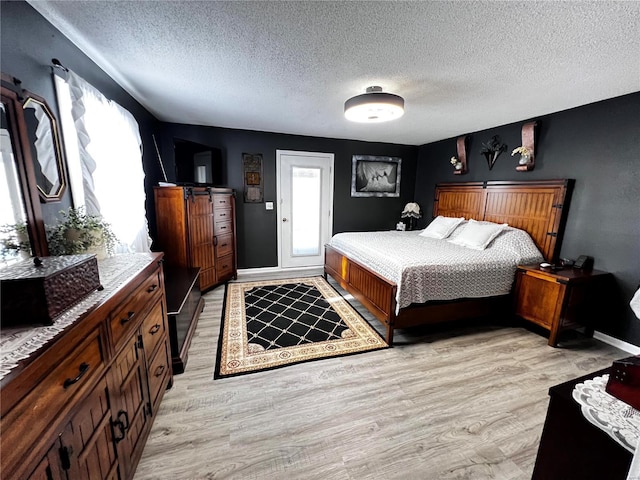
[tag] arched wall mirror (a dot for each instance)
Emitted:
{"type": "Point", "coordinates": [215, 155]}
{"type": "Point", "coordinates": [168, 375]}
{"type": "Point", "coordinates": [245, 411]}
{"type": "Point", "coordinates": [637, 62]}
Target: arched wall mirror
{"type": "Point", "coordinates": [21, 226]}
{"type": "Point", "coordinates": [46, 150]}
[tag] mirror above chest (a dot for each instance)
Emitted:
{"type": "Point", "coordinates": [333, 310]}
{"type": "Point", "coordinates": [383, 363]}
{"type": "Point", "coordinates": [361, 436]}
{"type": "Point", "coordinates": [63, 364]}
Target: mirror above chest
{"type": "Point", "coordinates": [22, 223]}
{"type": "Point", "coordinates": [45, 146]}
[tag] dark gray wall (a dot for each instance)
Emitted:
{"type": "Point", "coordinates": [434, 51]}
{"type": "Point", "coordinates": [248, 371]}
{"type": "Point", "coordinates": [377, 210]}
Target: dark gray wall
{"type": "Point", "coordinates": [598, 145]}
{"type": "Point", "coordinates": [257, 234]}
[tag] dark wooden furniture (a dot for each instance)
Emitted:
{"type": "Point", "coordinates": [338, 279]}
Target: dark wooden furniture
{"type": "Point", "coordinates": [562, 299]}
{"type": "Point", "coordinates": [196, 229]}
{"type": "Point", "coordinates": [25, 169]}
{"type": "Point", "coordinates": [573, 448]}
{"type": "Point", "coordinates": [538, 207]}
{"type": "Point", "coordinates": [184, 304]}
{"type": "Point", "coordinates": [82, 405]}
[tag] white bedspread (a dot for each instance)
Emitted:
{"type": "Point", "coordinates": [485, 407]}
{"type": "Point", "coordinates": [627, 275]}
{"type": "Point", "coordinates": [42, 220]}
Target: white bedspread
{"type": "Point", "coordinates": [427, 269]}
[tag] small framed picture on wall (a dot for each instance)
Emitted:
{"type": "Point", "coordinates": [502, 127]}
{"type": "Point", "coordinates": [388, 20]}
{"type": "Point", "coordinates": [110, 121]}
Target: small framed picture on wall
{"type": "Point", "coordinates": [253, 181]}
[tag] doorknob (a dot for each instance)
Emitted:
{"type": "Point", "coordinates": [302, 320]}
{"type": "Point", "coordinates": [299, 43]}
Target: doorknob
{"type": "Point", "coordinates": [285, 220]}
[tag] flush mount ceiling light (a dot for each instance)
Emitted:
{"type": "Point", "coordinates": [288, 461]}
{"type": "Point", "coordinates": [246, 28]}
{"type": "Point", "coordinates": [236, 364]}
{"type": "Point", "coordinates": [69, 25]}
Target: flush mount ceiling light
{"type": "Point", "coordinates": [374, 106]}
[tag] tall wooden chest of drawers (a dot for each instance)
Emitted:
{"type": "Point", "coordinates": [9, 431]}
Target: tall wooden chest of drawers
{"type": "Point", "coordinates": [196, 228]}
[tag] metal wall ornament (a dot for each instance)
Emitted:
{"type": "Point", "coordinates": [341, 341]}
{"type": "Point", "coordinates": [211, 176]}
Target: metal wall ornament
{"type": "Point", "coordinates": [492, 149]}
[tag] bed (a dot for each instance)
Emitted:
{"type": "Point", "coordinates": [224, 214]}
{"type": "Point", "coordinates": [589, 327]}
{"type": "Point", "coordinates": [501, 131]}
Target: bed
{"type": "Point", "coordinates": [537, 207]}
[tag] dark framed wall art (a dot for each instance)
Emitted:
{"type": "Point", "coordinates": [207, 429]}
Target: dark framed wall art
{"type": "Point", "coordinates": [253, 181]}
{"type": "Point", "coordinates": [373, 176]}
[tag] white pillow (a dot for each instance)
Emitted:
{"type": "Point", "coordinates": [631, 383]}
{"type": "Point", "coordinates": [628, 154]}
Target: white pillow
{"type": "Point", "coordinates": [441, 227]}
{"type": "Point", "coordinates": [478, 235]}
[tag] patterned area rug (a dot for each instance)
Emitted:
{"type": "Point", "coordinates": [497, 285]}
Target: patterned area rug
{"type": "Point", "coordinates": [272, 324]}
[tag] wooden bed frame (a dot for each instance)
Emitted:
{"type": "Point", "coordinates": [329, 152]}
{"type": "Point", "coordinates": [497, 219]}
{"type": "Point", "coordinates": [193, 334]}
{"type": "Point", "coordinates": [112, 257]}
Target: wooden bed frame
{"type": "Point", "coordinates": [538, 207]}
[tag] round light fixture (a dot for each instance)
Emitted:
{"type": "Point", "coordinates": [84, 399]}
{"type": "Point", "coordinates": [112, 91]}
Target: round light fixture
{"type": "Point", "coordinates": [374, 106]}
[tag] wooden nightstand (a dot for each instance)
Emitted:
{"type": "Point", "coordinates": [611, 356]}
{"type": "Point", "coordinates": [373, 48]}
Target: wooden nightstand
{"type": "Point", "coordinates": [562, 299]}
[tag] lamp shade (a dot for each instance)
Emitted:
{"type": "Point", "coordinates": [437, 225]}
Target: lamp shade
{"type": "Point", "coordinates": [411, 209]}
{"type": "Point", "coordinates": [374, 106]}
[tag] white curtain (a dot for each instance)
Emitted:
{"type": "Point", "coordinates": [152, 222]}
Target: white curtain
{"type": "Point", "coordinates": [104, 151]}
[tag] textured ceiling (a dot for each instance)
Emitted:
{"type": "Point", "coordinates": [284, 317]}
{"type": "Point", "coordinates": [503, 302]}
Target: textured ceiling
{"type": "Point", "coordinates": [289, 66]}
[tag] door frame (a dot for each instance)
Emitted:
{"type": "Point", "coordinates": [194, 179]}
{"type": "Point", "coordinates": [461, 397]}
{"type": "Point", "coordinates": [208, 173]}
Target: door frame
{"type": "Point", "coordinates": [279, 154]}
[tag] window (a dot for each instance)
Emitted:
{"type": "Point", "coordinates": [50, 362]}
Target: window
{"type": "Point", "coordinates": [104, 155]}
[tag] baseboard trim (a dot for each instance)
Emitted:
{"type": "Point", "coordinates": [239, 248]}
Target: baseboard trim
{"type": "Point", "coordinates": [615, 342]}
{"type": "Point", "coordinates": [248, 273]}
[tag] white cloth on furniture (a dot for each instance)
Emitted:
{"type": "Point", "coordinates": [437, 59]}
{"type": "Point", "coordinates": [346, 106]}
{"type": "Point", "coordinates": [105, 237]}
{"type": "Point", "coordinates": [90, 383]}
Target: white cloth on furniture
{"type": "Point", "coordinates": [614, 417]}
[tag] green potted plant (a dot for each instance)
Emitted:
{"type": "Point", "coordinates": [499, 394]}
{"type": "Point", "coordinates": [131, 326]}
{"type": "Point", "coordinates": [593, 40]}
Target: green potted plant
{"type": "Point", "coordinates": [14, 241]}
{"type": "Point", "coordinates": [78, 232]}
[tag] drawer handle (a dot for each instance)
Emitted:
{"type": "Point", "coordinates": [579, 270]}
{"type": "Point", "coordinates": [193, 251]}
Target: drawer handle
{"type": "Point", "coordinates": [65, 458]}
{"type": "Point", "coordinates": [120, 426]}
{"type": "Point", "coordinates": [84, 368]}
{"type": "Point", "coordinates": [125, 424]}
{"type": "Point", "coordinates": [129, 316]}
{"type": "Point", "coordinates": [224, 245]}
{"type": "Point", "coordinates": [159, 371]}
{"type": "Point", "coordinates": [154, 329]}
{"type": "Point", "coordinates": [152, 288]}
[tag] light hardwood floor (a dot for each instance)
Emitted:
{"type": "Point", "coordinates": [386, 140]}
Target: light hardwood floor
{"type": "Point", "coordinates": [454, 402]}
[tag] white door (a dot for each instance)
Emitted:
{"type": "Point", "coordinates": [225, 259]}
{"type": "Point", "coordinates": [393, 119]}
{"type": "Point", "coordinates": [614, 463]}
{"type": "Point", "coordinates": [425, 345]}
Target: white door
{"type": "Point", "coordinates": [305, 203]}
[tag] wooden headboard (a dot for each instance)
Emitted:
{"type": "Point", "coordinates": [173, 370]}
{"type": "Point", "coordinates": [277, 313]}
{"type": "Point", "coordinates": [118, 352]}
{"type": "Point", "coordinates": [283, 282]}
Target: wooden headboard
{"type": "Point", "coordinates": [538, 207]}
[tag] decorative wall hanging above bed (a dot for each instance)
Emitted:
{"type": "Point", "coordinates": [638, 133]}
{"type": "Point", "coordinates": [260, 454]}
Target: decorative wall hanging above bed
{"type": "Point", "coordinates": [460, 162]}
{"type": "Point", "coordinates": [528, 148]}
{"type": "Point", "coordinates": [492, 150]}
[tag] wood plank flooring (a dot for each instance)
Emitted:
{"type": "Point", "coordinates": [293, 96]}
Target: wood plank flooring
{"type": "Point", "coordinates": [453, 402]}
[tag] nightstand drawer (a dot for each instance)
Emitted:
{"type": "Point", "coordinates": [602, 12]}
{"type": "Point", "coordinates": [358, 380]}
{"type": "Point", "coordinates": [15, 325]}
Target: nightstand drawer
{"type": "Point", "coordinates": [537, 299]}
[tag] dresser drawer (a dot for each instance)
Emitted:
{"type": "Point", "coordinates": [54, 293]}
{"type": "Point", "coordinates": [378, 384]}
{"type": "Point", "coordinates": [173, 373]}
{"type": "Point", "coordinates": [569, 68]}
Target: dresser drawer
{"type": "Point", "coordinates": [128, 316]}
{"type": "Point", "coordinates": [224, 246]}
{"type": "Point", "coordinates": [221, 228]}
{"type": "Point", "coordinates": [153, 329]}
{"type": "Point", "coordinates": [44, 404]}
{"type": "Point", "coordinates": [159, 371]}
{"type": "Point", "coordinates": [65, 380]}
{"type": "Point", "coordinates": [224, 267]}
{"type": "Point", "coordinates": [222, 201]}
{"type": "Point", "coordinates": [222, 215]}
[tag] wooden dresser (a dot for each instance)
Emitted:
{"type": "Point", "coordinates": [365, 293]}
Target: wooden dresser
{"type": "Point", "coordinates": [77, 399]}
{"type": "Point", "coordinates": [196, 228]}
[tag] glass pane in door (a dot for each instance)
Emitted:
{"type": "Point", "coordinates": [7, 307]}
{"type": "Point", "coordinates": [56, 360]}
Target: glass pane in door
{"type": "Point", "coordinates": [305, 211]}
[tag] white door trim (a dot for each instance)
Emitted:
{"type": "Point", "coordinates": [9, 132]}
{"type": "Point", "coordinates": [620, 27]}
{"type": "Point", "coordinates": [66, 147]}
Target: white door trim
{"type": "Point", "coordinates": [279, 154]}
